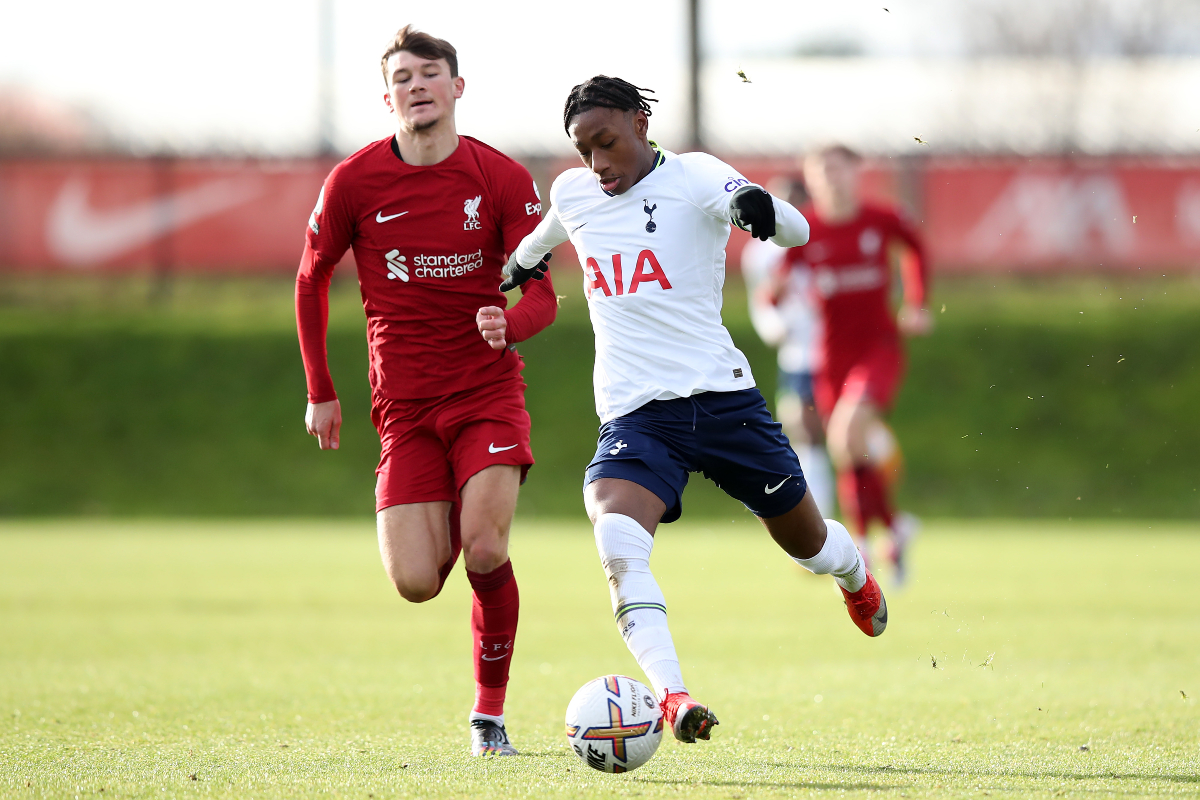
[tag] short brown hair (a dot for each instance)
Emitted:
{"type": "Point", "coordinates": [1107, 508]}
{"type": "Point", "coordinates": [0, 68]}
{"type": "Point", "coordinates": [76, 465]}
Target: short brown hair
{"type": "Point", "coordinates": [409, 39]}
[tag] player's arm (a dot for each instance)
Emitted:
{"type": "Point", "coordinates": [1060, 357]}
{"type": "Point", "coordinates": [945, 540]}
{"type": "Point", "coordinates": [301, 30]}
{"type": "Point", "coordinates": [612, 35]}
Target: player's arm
{"type": "Point", "coordinates": [758, 271]}
{"type": "Point", "coordinates": [538, 306]}
{"type": "Point", "coordinates": [328, 231]}
{"type": "Point", "coordinates": [529, 258]}
{"type": "Point", "coordinates": [913, 317]}
{"type": "Point", "coordinates": [534, 312]}
{"type": "Point", "coordinates": [720, 190]}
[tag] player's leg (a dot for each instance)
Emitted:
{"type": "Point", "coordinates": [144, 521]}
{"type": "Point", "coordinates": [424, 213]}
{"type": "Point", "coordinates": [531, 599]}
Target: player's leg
{"type": "Point", "coordinates": [415, 502]}
{"type": "Point", "coordinates": [745, 453]}
{"type": "Point", "coordinates": [797, 413]}
{"type": "Point", "coordinates": [824, 547]}
{"type": "Point", "coordinates": [414, 543]}
{"type": "Point", "coordinates": [869, 388]}
{"type": "Point", "coordinates": [634, 482]}
{"type": "Point", "coordinates": [487, 435]}
{"type": "Point", "coordinates": [489, 499]}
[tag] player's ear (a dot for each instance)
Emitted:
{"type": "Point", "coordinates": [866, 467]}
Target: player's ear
{"type": "Point", "coordinates": [387, 101]}
{"type": "Point", "coordinates": [641, 125]}
{"type": "Point", "coordinates": [459, 85]}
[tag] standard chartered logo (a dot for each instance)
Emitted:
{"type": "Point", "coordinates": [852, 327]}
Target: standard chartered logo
{"type": "Point", "coordinates": [396, 267]}
{"type": "Point", "coordinates": [426, 266]}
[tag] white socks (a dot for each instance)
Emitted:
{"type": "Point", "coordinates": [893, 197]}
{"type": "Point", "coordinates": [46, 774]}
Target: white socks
{"type": "Point", "coordinates": [814, 461]}
{"type": "Point", "coordinates": [839, 558]}
{"type": "Point", "coordinates": [638, 603]}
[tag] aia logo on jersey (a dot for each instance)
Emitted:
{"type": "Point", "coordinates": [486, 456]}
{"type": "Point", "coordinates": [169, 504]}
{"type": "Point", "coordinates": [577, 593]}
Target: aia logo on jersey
{"type": "Point", "coordinates": [471, 209]}
{"type": "Point", "coordinates": [646, 270]}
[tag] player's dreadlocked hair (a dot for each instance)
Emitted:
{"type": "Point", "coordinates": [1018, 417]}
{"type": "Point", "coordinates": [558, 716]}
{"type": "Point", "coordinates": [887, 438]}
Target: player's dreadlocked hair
{"type": "Point", "coordinates": [605, 92]}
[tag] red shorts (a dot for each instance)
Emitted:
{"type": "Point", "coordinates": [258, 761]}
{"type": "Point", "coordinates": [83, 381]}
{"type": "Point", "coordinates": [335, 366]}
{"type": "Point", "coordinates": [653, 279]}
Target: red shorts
{"type": "Point", "coordinates": [875, 376]}
{"type": "Point", "coordinates": [431, 447]}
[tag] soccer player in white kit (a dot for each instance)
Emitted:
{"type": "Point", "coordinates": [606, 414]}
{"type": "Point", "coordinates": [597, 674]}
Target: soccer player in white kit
{"type": "Point", "coordinates": [673, 394]}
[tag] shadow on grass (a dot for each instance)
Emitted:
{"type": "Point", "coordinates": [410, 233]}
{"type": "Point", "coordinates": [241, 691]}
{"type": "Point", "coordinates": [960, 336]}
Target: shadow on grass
{"type": "Point", "coordinates": [1009, 773]}
{"type": "Point", "coordinates": [867, 787]}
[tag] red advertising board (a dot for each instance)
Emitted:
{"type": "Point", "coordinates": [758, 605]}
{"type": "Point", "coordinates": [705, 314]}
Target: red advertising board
{"type": "Point", "coordinates": [978, 215]}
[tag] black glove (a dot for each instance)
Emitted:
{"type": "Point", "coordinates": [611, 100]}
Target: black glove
{"type": "Point", "coordinates": [753, 210]}
{"type": "Point", "coordinates": [515, 275]}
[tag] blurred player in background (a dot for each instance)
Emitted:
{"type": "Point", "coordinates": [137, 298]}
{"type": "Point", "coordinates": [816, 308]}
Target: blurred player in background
{"type": "Point", "coordinates": [850, 257]}
{"type": "Point", "coordinates": [673, 393]}
{"type": "Point", "coordinates": [430, 216]}
{"type": "Point", "coordinates": [793, 325]}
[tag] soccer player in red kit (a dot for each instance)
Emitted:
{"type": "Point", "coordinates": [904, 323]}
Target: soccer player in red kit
{"type": "Point", "coordinates": [431, 216]}
{"type": "Point", "coordinates": [850, 253]}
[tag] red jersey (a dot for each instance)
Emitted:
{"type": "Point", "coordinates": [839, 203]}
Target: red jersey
{"type": "Point", "coordinates": [851, 280]}
{"type": "Point", "coordinates": [430, 243]}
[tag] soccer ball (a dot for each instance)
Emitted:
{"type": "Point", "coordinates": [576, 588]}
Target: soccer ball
{"type": "Point", "coordinates": [614, 724]}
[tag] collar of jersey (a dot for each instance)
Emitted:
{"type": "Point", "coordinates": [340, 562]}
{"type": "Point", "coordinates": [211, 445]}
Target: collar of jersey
{"type": "Point", "coordinates": [659, 158]}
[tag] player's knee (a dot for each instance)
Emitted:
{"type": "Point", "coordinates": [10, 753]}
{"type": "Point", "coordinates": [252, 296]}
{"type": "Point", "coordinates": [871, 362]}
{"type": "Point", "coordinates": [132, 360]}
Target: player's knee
{"type": "Point", "coordinates": [418, 589]}
{"type": "Point", "coordinates": [484, 553]}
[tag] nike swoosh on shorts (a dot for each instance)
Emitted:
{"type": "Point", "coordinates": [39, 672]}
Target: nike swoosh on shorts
{"type": "Point", "coordinates": [379, 217]}
{"type": "Point", "coordinates": [493, 449]}
{"type": "Point", "coordinates": [775, 488]}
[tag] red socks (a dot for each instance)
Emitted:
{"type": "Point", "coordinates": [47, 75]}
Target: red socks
{"type": "Point", "coordinates": [864, 497]}
{"type": "Point", "coordinates": [494, 609]}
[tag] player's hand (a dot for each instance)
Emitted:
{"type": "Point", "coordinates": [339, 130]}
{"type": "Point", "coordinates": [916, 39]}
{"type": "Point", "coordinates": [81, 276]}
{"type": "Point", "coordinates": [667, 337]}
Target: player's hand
{"type": "Point", "coordinates": [515, 274]}
{"type": "Point", "coordinates": [914, 321]}
{"type": "Point", "coordinates": [324, 421]}
{"type": "Point", "coordinates": [753, 210]}
{"type": "Point", "coordinates": [492, 324]}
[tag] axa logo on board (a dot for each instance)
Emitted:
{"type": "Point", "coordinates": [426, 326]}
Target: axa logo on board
{"type": "Point", "coordinates": [427, 266]}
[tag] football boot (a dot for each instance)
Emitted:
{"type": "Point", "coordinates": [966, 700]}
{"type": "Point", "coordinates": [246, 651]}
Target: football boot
{"type": "Point", "coordinates": [488, 738]}
{"type": "Point", "coordinates": [688, 719]}
{"type": "Point", "coordinates": [867, 607]}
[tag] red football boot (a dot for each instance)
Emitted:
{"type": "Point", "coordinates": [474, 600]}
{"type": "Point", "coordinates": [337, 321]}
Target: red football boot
{"type": "Point", "coordinates": [867, 607]}
{"type": "Point", "coordinates": [688, 719]}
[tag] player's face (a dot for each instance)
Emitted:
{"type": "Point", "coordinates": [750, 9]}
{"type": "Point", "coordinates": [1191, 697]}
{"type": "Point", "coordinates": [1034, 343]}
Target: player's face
{"type": "Point", "coordinates": [613, 145]}
{"type": "Point", "coordinates": [421, 92]}
{"type": "Point", "coordinates": [831, 179]}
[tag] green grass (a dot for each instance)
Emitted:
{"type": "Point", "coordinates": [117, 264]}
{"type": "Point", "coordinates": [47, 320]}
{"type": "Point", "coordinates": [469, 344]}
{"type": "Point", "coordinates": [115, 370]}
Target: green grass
{"type": "Point", "coordinates": [271, 659]}
{"type": "Point", "coordinates": [1072, 397]}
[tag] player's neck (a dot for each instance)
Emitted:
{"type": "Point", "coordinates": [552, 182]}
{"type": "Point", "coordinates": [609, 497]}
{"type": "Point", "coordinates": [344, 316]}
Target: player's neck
{"type": "Point", "coordinates": [838, 212]}
{"type": "Point", "coordinates": [428, 147]}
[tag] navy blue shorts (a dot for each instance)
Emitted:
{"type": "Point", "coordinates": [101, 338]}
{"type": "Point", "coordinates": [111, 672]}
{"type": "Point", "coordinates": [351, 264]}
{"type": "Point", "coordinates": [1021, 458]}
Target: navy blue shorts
{"type": "Point", "coordinates": [730, 437]}
{"type": "Point", "coordinates": [797, 383]}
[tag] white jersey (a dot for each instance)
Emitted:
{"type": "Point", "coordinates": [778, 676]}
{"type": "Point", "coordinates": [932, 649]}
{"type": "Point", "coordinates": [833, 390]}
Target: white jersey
{"type": "Point", "coordinates": [654, 269]}
{"type": "Point", "coordinates": [793, 324]}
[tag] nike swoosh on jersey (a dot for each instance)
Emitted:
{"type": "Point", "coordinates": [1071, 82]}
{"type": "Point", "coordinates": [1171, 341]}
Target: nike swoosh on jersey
{"type": "Point", "coordinates": [80, 234]}
{"type": "Point", "coordinates": [775, 488]}
{"type": "Point", "coordinates": [577, 227]}
{"type": "Point", "coordinates": [379, 217]}
{"type": "Point", "coordinates": [493, 449]}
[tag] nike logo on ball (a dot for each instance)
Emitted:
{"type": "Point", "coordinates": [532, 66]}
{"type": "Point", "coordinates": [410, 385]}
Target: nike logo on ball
{"type": "Point", "coordinates": [379, 217]}
{"type": "Point", "coordinates": [775, 488]}
{"type": "Point", "coordinates": [493, 449]}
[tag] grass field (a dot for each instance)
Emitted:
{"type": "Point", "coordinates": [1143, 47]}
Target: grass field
{"type": "Point", "coordinates": [271, 659]}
